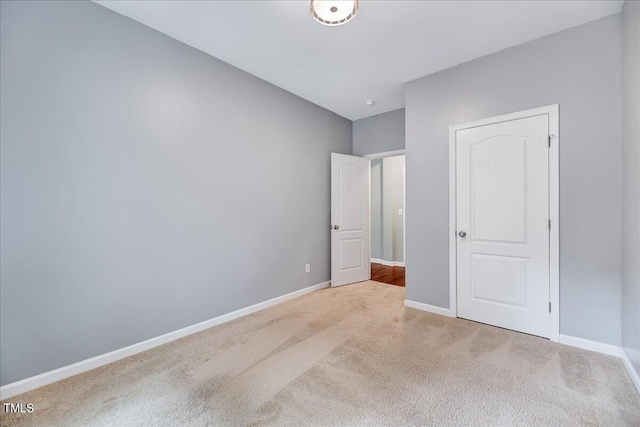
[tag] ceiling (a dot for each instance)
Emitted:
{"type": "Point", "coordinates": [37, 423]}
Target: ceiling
{"type": "Point", "coordinates": [387, 44]}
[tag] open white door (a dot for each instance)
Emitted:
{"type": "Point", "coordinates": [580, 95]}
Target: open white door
{"type": "Point", "coordinates": [350, 231]}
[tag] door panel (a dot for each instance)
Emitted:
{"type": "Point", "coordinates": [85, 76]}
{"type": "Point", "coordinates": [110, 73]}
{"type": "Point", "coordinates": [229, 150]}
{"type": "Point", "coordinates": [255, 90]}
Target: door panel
{"type": "Point", "coordinates": [502, 204]}
{"type": "Point", "coordinates": [350, 261]}
{"type": "Point", "coordinates": [352, 198]}
{"type": "Point", "coordinates": [499, 279]}
{"type": "Point", "coordinates": [351, 254]}
{"type": "Point", "coordinates": [498, 183]}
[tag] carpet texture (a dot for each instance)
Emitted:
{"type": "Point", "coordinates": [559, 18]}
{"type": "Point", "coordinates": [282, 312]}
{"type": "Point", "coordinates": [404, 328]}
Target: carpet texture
{"type": "Point", "coordinates": [347, 356]}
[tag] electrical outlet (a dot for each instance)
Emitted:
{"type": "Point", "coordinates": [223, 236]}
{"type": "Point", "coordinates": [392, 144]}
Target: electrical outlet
{"type": "Point", "coordinates": [307, 268]}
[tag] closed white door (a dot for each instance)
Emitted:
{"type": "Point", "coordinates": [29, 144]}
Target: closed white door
{"type": "Point", "coordinates": [350, 260]}
{"type": "Point", "coordinates": [502, 224]}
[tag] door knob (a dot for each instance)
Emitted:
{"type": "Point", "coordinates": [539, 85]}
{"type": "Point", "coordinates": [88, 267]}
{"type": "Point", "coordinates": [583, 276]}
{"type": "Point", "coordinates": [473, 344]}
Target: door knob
{"type": "Point", "coordinates": [462, 234]}
{"type": "Point", "coordinates": [336, 227]}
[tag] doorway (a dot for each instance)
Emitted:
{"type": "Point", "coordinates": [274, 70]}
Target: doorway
{"type": "Point", "coordinates": [387, 218]}
{"type": "Point", "coordinates": [504, 221]}
{"type": "Point", "coordinates": [351, 259]}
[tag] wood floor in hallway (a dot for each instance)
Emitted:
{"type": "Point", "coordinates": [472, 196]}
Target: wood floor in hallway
{"type": "Point", "coordinates": [387, 274]}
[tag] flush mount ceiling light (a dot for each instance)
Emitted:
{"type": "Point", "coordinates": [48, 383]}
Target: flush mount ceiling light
{"type": "Point", "coordinates": [370, 102]}
{"type": "Point", "coordinates": [333, 12]}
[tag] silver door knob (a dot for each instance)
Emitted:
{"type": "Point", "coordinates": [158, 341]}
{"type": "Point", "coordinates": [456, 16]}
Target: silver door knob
{"type": "Point", "coordinates": [462, 234]}
{"type": "Point", "coordinates": [336, 227]}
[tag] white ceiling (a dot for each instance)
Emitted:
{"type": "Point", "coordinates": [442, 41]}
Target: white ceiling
{"type": "Point", "coordinates": [387, 44]}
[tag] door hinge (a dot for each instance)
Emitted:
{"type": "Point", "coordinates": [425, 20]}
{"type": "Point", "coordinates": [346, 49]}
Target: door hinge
{"type": "Point", "coordinates": [549, 140]}
{"type": "Point", "coordinates": [549, 306]}
{"type": "Point", "coordinates": [549, 225]}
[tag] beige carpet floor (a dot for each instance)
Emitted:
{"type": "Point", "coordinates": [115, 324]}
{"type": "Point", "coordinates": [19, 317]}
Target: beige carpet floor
{"type": "Point", "coordinates": [348, 356]}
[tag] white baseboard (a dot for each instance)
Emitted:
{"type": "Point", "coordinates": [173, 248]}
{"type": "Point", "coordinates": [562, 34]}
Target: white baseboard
{"type": "Point", "coordinates": [28, 384]}
{"type": "Point", "coordinates": [632, 372]}
{"type": "Point", "coordinates": [387, 263]}
{"type": "Point", "coordinates": [427, 307]}
{"type": "Point", "coordinates": [598, 347]}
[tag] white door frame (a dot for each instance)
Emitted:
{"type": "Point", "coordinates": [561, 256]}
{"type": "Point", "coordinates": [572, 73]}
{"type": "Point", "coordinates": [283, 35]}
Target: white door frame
{"type": "Point", "coordinates": [554, 209]}
{"type": "Point", "coordinates": [382, 155]}
{"type": "Point", "coordinates": [385, 154]}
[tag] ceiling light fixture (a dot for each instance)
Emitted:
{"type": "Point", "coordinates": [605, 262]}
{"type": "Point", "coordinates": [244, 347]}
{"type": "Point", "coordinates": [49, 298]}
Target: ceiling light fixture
{"type": "Point", "coordinates": [370, 102]}
{"type": "Point", "coordinates": [333, 12]}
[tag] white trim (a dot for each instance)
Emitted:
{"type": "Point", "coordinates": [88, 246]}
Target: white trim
{"type": "Point", "coordinates": [46, 378]}
{"type": "Point", "coordinates": [387, 263]}
{"type": "Point", "coordinates": [370, 223]}
{"type": "Point", "coordinates": [554, 208]}
{"type": "Point", "coordinates": [404, 210]}
{"type": "Point", "coordinates": [632, 372]}
{"type": "Point", "coordinates": [554, 216]}
{"type": "Point", "coordinates": [426, 307]}
{"type": "Point", "coordinates": [384, 154]}
{"type": "Point", "coordinates": [598, 347]}
{"type": "Point", "coordinates": [453, 241]}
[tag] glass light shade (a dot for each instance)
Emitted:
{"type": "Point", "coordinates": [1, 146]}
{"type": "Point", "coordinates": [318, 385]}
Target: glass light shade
{"type": "Point", "coordinates": [334, 12]}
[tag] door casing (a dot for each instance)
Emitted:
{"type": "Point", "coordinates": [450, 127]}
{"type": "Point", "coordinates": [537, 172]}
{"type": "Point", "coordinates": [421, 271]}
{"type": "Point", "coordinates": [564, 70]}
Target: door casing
{"type": "Point", "coordinates": [554, 208]}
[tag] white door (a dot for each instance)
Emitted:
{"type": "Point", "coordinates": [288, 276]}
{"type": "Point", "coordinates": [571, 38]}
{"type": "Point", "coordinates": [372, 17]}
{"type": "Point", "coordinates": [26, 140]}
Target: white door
{"type": "Point", "coordinates": [350, 260]}
{"type": "Point", "coordinates": [502, 224]}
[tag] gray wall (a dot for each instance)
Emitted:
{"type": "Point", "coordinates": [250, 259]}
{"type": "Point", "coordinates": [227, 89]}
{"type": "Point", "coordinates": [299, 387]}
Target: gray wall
{"type": "Point", "coordinates": [146, 186]}
{"type": "Point", "coordinates": [397, 202]}
{"type": "Point", "coordinates": [387, 209]}
{"type": "Point", "coordinates": [387, 196]}
{"type": "Point", "coordinates": [377, 134]}
{"type": "Point", "coordinates": [376, 208]}
{"type": "Point", "coordinates": [579, 69]}
{"type": "Point", "coordinates": [631, 182]}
